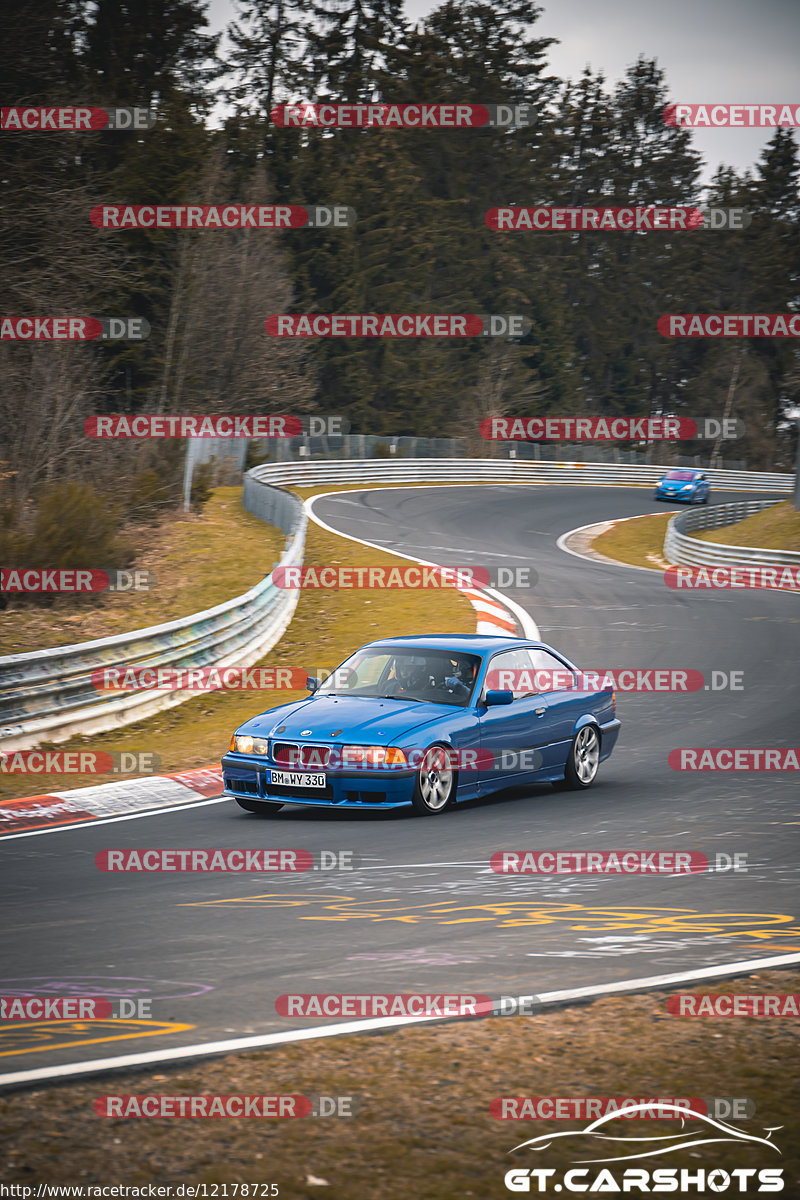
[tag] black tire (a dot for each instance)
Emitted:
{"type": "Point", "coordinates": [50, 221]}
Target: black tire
{"type": "Point", "coordinates": [583, 760]}
{"type": "Point", "coordinates": [263, 807]}
{"type": "Point", "coordinates": [435, 784]}
{"type": "Point", "coordinates": [708, 497]}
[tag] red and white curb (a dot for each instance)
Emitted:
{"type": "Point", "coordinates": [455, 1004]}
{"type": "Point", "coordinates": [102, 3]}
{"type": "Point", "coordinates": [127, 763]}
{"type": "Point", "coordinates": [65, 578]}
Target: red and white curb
{"type": "Point", "coordinates": [151, 794]}
{"type": "Point", "coordinates": [106, 802]}
{"type": "Point", "coordinates": [496, 613]}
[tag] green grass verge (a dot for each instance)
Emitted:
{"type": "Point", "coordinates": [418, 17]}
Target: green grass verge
{"type": "Point", "coordinates": [776, 528]}
{"type": "Point", "coordinates": [198, 560]}
{"type": "Point", "coordinates": [638, 542]}
{"type": "Point", "coordinates": [326, 628]}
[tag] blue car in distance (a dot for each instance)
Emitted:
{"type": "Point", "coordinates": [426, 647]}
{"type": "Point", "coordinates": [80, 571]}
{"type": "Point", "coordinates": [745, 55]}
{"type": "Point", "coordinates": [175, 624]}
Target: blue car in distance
{"type": "Point", "coordinates": [426, 722]}
{"type": "Point", "coordinates": [683, 483]}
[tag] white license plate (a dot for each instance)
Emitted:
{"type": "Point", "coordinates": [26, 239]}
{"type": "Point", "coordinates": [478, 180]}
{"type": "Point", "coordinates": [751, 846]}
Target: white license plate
{"type": "Point", "coordinates": [300, 779]}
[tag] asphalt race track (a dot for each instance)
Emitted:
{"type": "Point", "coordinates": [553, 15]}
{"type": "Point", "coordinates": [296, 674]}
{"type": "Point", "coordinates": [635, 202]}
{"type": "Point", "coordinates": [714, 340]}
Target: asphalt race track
{"type": "Point", "coordinates": [425, 912]}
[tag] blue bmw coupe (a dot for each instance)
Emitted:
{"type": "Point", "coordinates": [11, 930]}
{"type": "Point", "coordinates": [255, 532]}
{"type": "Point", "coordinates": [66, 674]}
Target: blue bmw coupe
{"type": "Point", "coordinates": [425, 722]}
{"type": "Point", "coordinates": [683, 483]}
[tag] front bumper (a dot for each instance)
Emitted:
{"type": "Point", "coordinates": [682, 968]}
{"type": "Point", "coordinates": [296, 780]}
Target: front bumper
{"type": "Point", "coordinates": [247, 778]}
{"type": "Point", "coordinates": [660, 494]}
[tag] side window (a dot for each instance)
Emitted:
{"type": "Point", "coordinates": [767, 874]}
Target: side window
{"type": "Point", "coordinates": [550, 674]}
{"type": "Point", "coordinates": [512, 671]}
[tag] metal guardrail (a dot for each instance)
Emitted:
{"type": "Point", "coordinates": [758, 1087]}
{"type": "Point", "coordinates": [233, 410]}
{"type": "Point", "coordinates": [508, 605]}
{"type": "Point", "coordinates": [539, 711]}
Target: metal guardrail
{"type": "Point", "coordinates": [48, 695]}
{"type": "Point", "coordinates": [688, 551]}
{"type": "Point", "coordinates": [499, 470]}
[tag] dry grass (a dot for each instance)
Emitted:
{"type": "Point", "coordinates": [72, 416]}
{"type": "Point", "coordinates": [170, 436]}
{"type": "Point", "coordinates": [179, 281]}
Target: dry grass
{"type": "Point", "coordinates": [423, 1128]}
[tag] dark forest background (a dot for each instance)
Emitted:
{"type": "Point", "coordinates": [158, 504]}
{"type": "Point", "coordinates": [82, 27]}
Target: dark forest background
{"type": "Point", "coordinates": [420, 243]}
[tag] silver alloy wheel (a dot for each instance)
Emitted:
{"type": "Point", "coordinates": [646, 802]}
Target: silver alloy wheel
{"type": "Point", "coordinates": [586, 754]}
{"type": "Point", "coordinates": [435, 780]}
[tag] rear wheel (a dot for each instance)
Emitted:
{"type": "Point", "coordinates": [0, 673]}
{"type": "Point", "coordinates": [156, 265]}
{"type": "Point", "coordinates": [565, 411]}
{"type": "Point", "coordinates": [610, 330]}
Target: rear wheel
{"type": "Point", "coordinates": [582, 761]}
{"type": "Point", "coordinates": [435, 785]}
{"type": "Point", "coordinates": [259, 806]}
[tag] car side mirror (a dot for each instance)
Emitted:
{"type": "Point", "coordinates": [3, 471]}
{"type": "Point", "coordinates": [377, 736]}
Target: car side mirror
{"type": "Point", "coordinates": [312, 683]}
{"type": "Point", "coordinates": [498, 696]}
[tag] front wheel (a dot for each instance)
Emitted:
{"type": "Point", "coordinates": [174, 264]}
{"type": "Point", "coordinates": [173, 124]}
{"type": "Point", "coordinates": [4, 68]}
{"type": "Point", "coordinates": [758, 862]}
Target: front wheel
{"type": "Point", "coordinates": [435, 784]}
{"type": "Point", "coordinates": [259, 806]}
{"type": "Point", "coordinates": [582, 761]}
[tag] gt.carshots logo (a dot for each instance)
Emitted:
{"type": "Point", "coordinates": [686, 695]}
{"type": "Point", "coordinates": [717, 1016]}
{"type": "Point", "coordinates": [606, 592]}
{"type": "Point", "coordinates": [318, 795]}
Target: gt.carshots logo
{"type": "Point", "coordinates": [704, 116]}
{"type": "Point", "coordinates": [413, 115]}
{"type": "Point", "coordinates": [734, 759]}
{"type": "Point", "coordinates": [222, 216]}
{"type": "Point", "coordinates": [397, 325]}
{"type": "Point", "coordinates": [73, 329]}
{"type": "Point", "coordinates": [596, 1144]}
{"type": "Point", "coordinates": [606, 429]}
{"type": "Point", "coordinates": [74, 120]}
{"type": "Point", "coordinates": [729, 325]}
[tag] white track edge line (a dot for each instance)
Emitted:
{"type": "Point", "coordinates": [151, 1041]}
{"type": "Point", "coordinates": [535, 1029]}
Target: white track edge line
{"type": "Point", "coordinates": [150, 812]}
{"type": "Point", "coordinates": [526, 621]}
{"type": "Point", "coordinates": [206, 1049]}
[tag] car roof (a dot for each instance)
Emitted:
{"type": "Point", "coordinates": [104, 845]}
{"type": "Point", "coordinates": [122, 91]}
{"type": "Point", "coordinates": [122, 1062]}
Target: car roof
{"type": "Point", "coordinates": [474, 643]}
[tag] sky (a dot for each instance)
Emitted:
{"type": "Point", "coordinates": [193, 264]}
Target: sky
{"type": "Point", "coordinates": [712, 51]}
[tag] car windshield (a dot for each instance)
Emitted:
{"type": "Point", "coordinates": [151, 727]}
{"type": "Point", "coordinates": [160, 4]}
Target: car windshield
{"type": "Point", "coordinates": [686, 476]}
{"type": "Point", "coordinates": [402, 673]}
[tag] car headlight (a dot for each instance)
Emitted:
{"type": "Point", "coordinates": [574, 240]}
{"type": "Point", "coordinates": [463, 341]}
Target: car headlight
{"type": "Point", "coordinates": [243, 743]}
{"type": "Point", "coordinates": [373, 756]}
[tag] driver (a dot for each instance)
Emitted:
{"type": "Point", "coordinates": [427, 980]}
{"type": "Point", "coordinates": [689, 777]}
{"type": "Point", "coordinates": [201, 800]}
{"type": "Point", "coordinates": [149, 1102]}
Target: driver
{"type": "Point", "coordinates": [462, 678]}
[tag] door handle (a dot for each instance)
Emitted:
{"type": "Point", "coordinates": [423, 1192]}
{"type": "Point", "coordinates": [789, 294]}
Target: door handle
{"type": "Point", "coordinates": [540, 711]}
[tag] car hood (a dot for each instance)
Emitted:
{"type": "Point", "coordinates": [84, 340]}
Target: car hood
{"type": "Point", "coordinates": [342, 718]}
